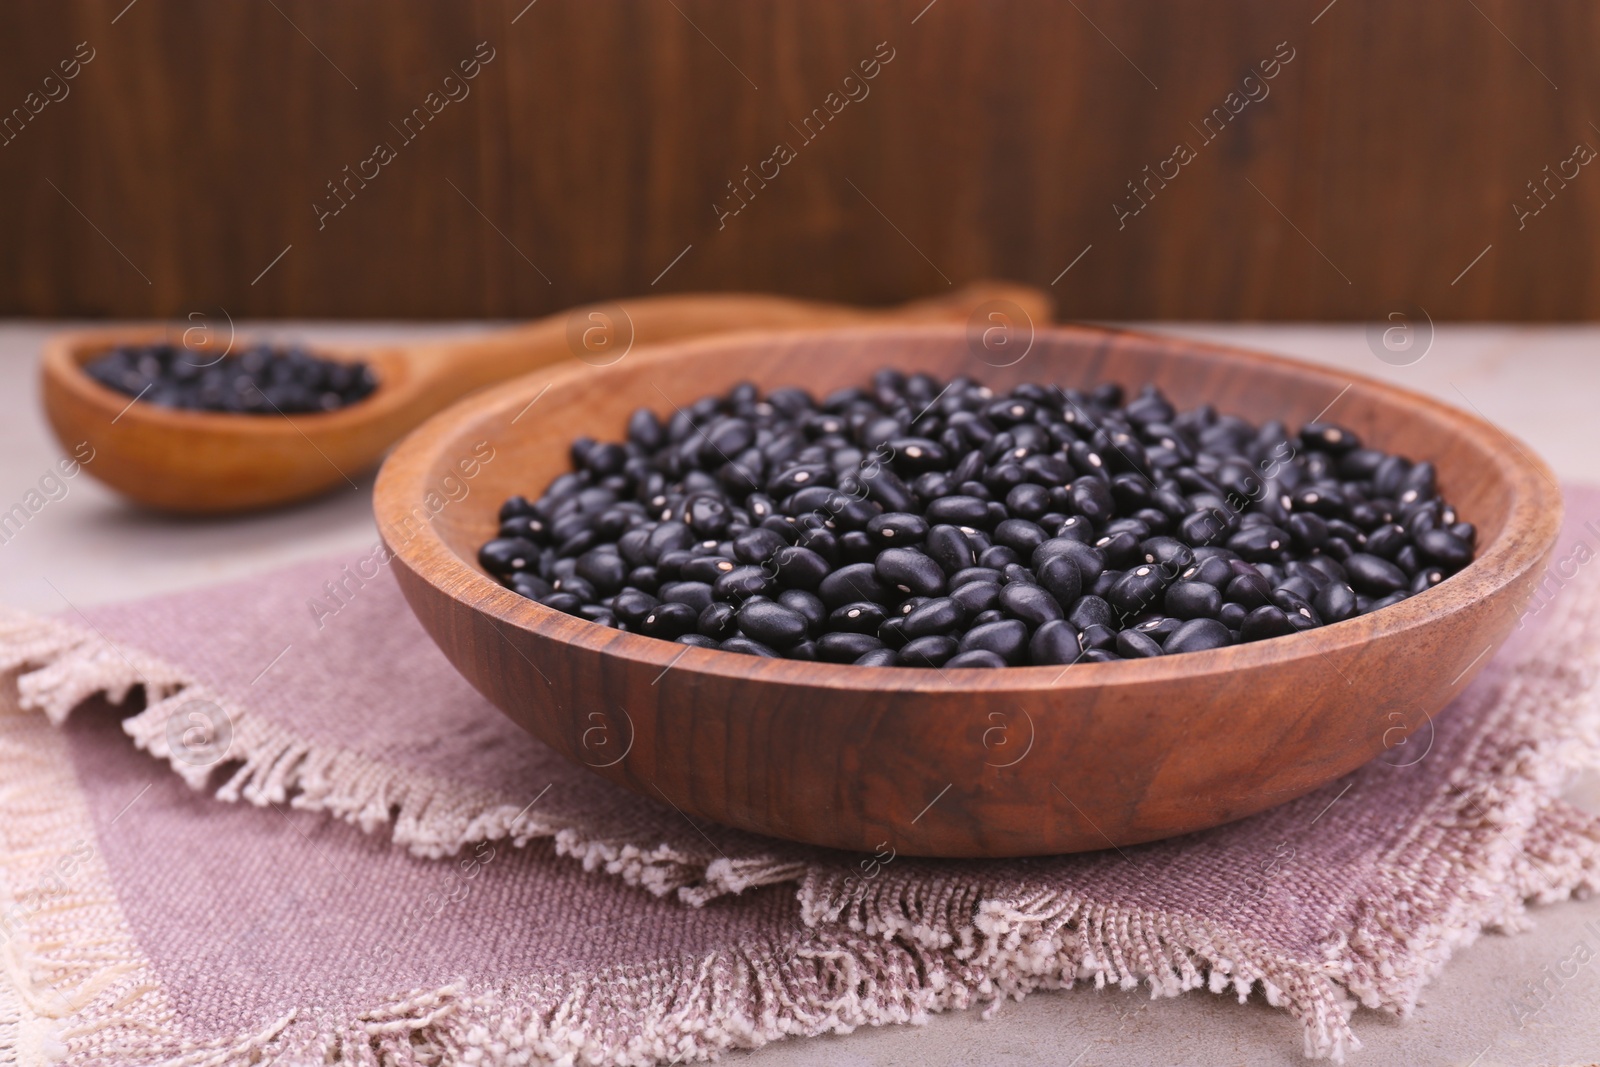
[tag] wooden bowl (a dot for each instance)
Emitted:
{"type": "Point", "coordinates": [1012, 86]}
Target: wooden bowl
{"type": "Point", "coordinates": [1022, 761]}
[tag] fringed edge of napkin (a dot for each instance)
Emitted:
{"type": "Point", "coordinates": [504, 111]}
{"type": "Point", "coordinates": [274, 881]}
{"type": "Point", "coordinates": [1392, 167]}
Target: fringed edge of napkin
{"type": "Point", "coordinates": [63, 665]}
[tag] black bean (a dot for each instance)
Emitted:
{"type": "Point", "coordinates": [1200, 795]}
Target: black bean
{"type": "Point", "coordinates": [799, 568]}
{"type": "Point", "coordinates": [1120, 549]}
{"type": "Point", "coordinates": [846, 647]}
{"type": "Point", "coordinates": [1054, 642]}
{"type": "Point", "coordinates": [898, 528]}
{"type": "Point", "coordinates": [578, 587]}
{"type": "Point", "coordinates": [699, 641]}
{"type": "Point", "coordinates": [1131, 644]}
{"type": "Point", "coordinates": [807, 604]}
{"type": "Point", "coordinates": [669, 620]}
{"type": "Point", "coordinates": [862, 616]}
{"type": "Point", "coordinates": [976, 596]}
{"type": "Point", "coordinates": [1193, 600]}
{"type": "Point", "coordinates": [940, 615]}
{"type": "Point", "coordinates": [958, 511]}
{"type": "Point", "coordinates": [858, 581]}
{"type": "Point", "coordinates": [950, 548]}
{"type": "Point", "coordinates": [879, 657]}
{"type": "Point", "coordinates": [1090, 610]}
{"type": "Point", "coordinates": [757, 545]}
{"type": "Point", "coordinates": [910, 571]}
{"type": "Point", "coordinates": [748, 647]}
{"type": "Point", "coordinates": [1137, 590]}
{"type": "Point", "coordinates": [1444, 547]}
{"type": "Point", "coordinates": [1030, 603]}
{"type": "Point", "coordinates": [1427, 578]}
{"type": "Point", "coordinates": [706, 568]}
{"type": "Point", "coordinates": [507, 555]}
{"type": "Point", "coordinates": [1090, 560]}
{"type": "Point", "coordinates": [1061, 578]}
{"type": "Point", "coordinates": [1197, 635]}
{"type": "Point", "coordinates": [1373, 575]}
{"type": "Point", "coordinates": [1266, 621]}
{"type": "Point", "coordinates": [929, 651]}
{"type": "Point", "coordinates": [741, 583]}
{"type": "Point", "coordinates": [976, 657]}
{"type": "Point", "coordinates": [1103, 637]}
{"type": "Point", "coordinates": [998, 557]}
{"type": "Point", "coordinates": [772, 624]}
{"type": "Point", "coordinates": [1159, 627]}
{"type": "Point", "coordinates": [1259, 544]}
{"type": "Point", "coordinates": [1007, 638]}
{"type": "Point", "coordinates": [1249, 589]}
{"type": "Point", "coordinates": [695, 594]}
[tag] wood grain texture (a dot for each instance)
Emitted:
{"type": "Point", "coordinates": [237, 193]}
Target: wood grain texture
{"type": "Point", "coordinates": [1020, 761]}
{"type": "Point", "coordinates": [592, 149]}
{"type": "Point", "coordinates": [213, 463]}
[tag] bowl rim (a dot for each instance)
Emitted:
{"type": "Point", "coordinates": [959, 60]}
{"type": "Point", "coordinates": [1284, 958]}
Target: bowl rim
{"type": "Point", "coordinates": [1525, 538]}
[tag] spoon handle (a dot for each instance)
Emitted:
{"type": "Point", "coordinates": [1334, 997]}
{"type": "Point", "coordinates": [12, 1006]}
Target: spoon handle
{"type": "Point", "coordinates": [604, 333]}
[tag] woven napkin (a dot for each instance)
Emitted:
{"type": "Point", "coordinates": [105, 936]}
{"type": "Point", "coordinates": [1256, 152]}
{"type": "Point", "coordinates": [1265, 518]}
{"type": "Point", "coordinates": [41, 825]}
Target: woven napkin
{"type": "Point", "coordinates": [534, 912]}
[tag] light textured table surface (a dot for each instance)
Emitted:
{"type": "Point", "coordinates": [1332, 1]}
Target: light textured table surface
{"type": "Point", "coordinates": [1539, 383]}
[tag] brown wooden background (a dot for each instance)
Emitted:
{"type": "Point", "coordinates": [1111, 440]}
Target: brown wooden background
{"type": "Point", "coordinates": [591, 149]}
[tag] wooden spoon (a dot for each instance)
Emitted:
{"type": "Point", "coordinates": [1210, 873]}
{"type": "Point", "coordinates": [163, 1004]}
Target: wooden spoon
{"type": "Point", "coordinates": [211, 463]}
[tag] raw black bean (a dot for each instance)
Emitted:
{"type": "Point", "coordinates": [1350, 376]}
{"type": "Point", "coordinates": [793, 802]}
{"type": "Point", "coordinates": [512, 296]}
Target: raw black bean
{"type": "Point", "coordinates": [1090, 610]}
{"type": "Point", "coordinates": [950, 548]}
{"type": "Point", "coordinates": [1055, 642]}
{"type": "Point", "coordinates": [958, 511]}
{"type": "Point", "coordinates": [1137, 590]}
{"type": "Point", "coordinates": [1097, 637]}
{"type": "Point", "coordinates": [695, 594]}
{"type": "Point", "coordinates": [749, 647]}
{"type": "Point", "coordinates": [940, 615]}
{"type": "Point", "coordinates": [798, 567]}
{"type": "Point", "coordinates": [772, 624]}
{"type": "Point", "coordinates": [976, 657]}
{"type": "Point", "coordinates": [879, 657]}
{"type": "Point", "coordinates": [1030, 603]}
{"type": "Point", "coordinates": [507, 555]}
{"type": "Point", "coordinates": [898, 528]}
{"type": "Point", "coordinates": [1197, 635]}
{"type": "Point", "coordinates": [1193, 600]}
{"type": "Point", "coordinates": [699, 641]}
{"type": "Point", "coordinates": [1007, 638]}
{"type": "Point", "coordinates": [858, 581]}
{"type": "Point", "coordinates": [929, 651]}
{"type": "Point", "coordinates": [1445, 548]}
{"type": "Point", "coordinates": [843, 647]}
{"type": "Point", "coordinates": [998, 557]}
{"type": "Point", "coordinates": [910, 571]}
{"type": "Point", "coordinates": [1373, 575]}
{"type": "Point", "coordinates": [1061, 578]}
{"type": "Point", "coordinates": [1266, 621]}
{"type": "Point", "coordinates": [669, 620]}
{"type": "Point", "coordinates": [807, 604]}
{"type": "Point", "coordinates": [1131, 644]}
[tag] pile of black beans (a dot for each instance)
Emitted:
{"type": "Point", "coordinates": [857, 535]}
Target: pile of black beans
{"type": "Point", "coordinates": [923, 524]}
{"type": "Point", "coordinates": [258, 381]}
